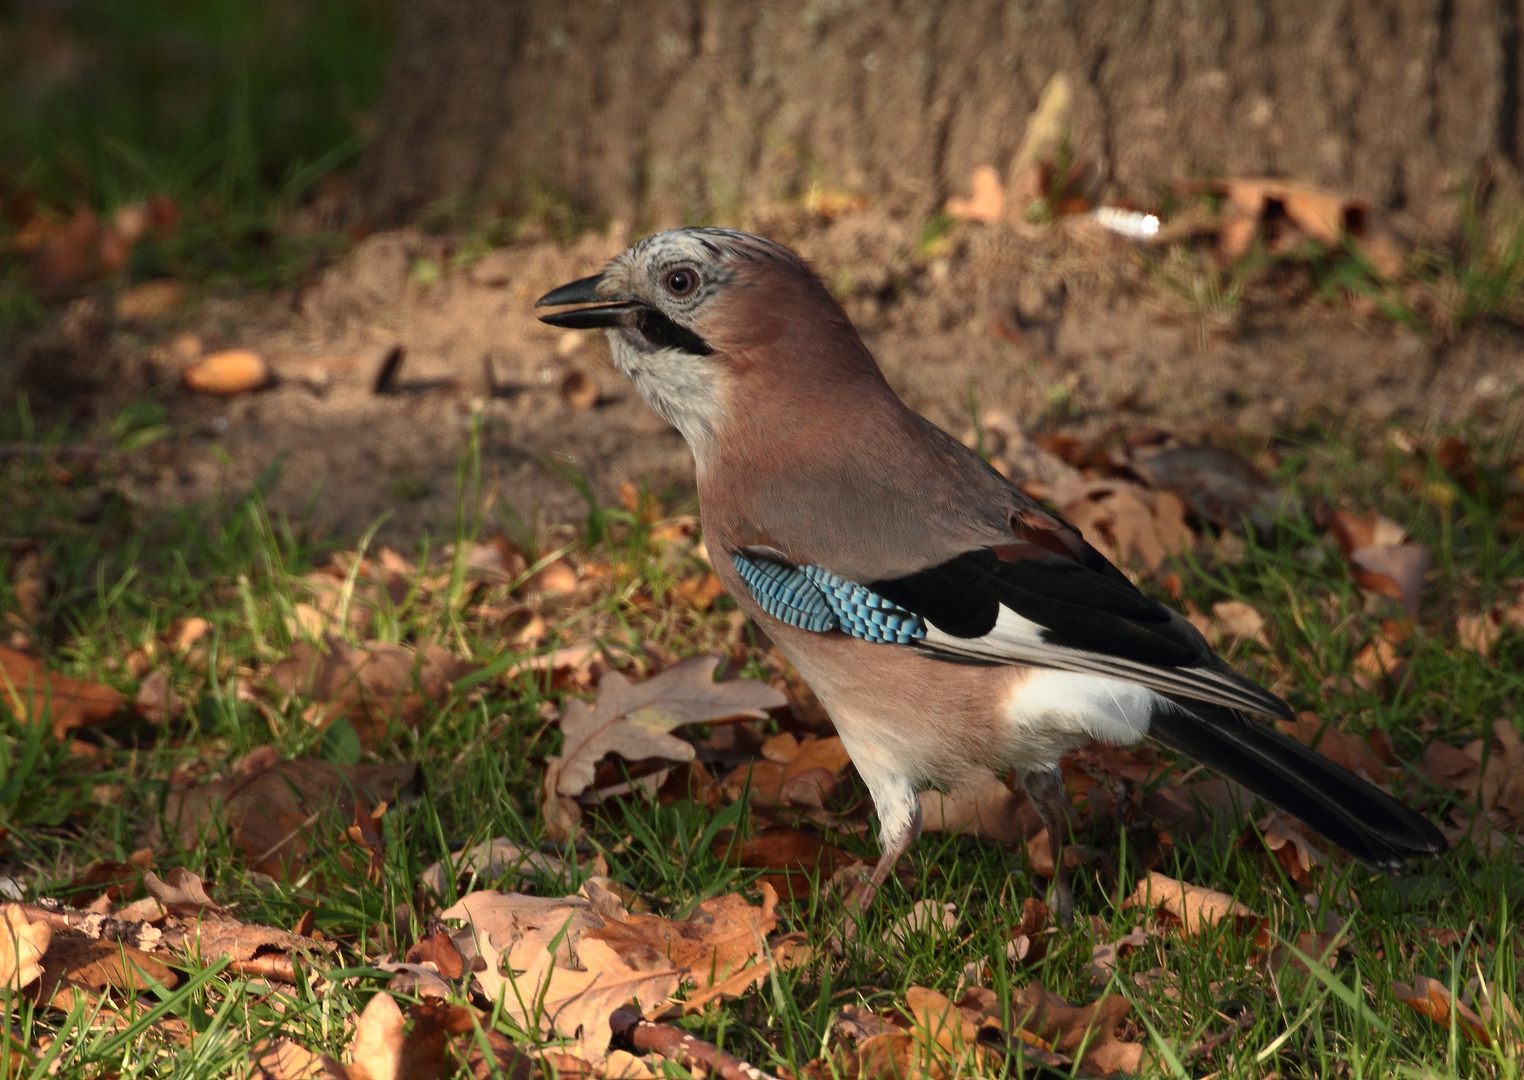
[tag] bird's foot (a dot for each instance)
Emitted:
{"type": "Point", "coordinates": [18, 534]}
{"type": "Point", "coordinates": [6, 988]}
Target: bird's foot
{"type": "Point", "coordinates": [1062, 904]}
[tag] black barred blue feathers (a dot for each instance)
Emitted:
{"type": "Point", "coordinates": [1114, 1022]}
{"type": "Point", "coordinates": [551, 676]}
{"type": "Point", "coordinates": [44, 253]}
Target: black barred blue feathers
{"type": "Point", "coordinates": [817, 600]}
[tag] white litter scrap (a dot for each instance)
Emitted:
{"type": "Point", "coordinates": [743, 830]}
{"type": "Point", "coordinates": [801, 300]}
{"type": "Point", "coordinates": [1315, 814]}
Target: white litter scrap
{"type": "Point", "coordinates": [1129, 223]}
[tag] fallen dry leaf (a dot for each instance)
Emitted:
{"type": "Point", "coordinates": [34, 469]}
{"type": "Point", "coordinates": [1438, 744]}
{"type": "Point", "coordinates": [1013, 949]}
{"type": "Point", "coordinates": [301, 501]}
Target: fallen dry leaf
{"type": "Point", "coordinates": [1105, 954]}
{"type": "Point", "coordinates": [1028, 939]}
{"type": "Point", "coordinates": [791, 772]}
{"type": "Point", "coordinates": [579, 390]}
{"type": "Point", "coordinates": [556, 578]}
{"type": "Point", "coordinates": [795, 860]}
{"type": "Point", "coordinates": [1480, 632]}
{"type": "Point", "coordinates": [946, 1039]}
{"type": "Point", "coordinates": [577, 1002]}
{"type": "Point", "coordinates": [232, 371]}
{"type": "Point", "coordinates": [1069, 1028]}
{"type": "Point", "coordinates": [76, 964]}
{"type": "Point", "coordinates": [1381, 557]}
{"type": "Point", "coordinates": [286, 1060]}
{"type": "Point", "coordinates": [1287, 211]}
{"type": "Point", "coordinates": [366, 834]}
{"type": "Point", "coordinates": [924, 917]}
{"type": "Point", "coordinates": [982, 806]}
{"type": "Point", "coordinates": [1239, 620]}
{"type": "Point", "coordinates": [1432, 998]}
{"type": "Point", "coordinates": [1499, 787]}
{"type": "Point", "coordinates": [987, 203]}
{"type": "Point", "coordinates": [150, 299]}
{"type": "Point", "coordinates": [183, 893]}
{"type": "Point", "coordinates": [490, 861]}
{"type": "Point", "coordinates": [511, 930]}
{"type": "Point", "coordinates": [788, 951]}
{"type": "Point", "coordinates": [633, 721]}
{"type": "Point", "coordinates": [1342, 748]}
{"type": "Point", "coordinates": [22, 945]}
{"type": "Point", "coordinates": [33, 693]}
{"type": "Point", "coordinates": [587, 955]}
{"type": "Point", "coordinates": [1291, 847]}
{"type": "Point", "coordinates": [370, 685]}
{"type": "Point", "coordinates": [270, 813]}
{"type": "Point", "coordinates": [713, 945]}
{"type": "Point", "coordinates": [1320, 947]}
{"type": "Point", "coordinates": [1131, 525]}
{"type": "Point", "coordinates": [1453, 768]}
{"type": "Point", "coordinates": [376, 1053]}
{"type": "Point", "coordinates": [1217, 485]}
{"type": "Point", "coordinates": [430, 1041]}
{"type": "Point", "coordinates": [1195, 907]}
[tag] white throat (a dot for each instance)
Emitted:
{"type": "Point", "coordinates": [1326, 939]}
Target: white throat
{"type": "Point", "coordinates": [683, 388]}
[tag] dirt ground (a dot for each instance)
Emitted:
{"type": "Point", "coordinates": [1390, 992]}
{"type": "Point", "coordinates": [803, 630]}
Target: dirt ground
{"type": "Point", "coordinates": [1060, 327]}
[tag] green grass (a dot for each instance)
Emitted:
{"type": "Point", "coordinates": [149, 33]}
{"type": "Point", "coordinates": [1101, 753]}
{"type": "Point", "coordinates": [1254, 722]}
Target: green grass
{"type": "Point", "coordinates": [108, 101]}
{"type": "Point", "coordinates": [235, 111]}
{"type": "Point", "coordinates": [124, 577]}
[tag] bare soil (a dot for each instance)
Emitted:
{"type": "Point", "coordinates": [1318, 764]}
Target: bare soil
{"type": "Point", "coordinates": [1062, 327]}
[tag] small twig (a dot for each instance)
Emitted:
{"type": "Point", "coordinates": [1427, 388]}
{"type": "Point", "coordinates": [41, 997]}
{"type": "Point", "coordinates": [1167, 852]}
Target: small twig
{"type": "Point", "coordinates": [277, 967]}
{"type": "Point", "coordinates": [85, 922]}
{"type": "Point", "coordinates": [677, 1045]}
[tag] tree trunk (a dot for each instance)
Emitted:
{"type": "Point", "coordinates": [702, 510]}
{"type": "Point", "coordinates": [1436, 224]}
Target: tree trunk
{"type": "Point", "coordinates": [663, 111]}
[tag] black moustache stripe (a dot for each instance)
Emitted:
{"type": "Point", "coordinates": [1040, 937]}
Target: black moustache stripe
{"type": "Point", "coordinates": [666, 334]}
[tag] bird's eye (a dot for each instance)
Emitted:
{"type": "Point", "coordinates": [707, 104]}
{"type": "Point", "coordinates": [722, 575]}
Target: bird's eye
{"type": "Point", "coordinates": [681, 281]}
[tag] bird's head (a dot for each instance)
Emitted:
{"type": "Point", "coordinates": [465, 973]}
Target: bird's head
{"type": "Point", "coordinates": [708, 322]}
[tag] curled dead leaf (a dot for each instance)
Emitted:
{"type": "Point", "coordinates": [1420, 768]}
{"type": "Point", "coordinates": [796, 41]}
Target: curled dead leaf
{"type": "Point", "coordinates": [22, 945]}
{"type": "Point", "coordinates": [76, 964]}
{"type": "Point", "coordinates": [579, 390]}
{"type": "Point", "coordinates": [371, 685]}
{"type": "Point", "coordinates": [987, 203]}
{"type": "Point", "coordinates": [1239, 620]}
{"type": "Point", "coordinates": [981, 806]}
{"type": "Point", "coordinates": [634, 720]}
{"type": "Point", "coordinates": [795, 860]}
{"type": "Point", "coordinates": [792, 772]}
{"type": "Point", "coordinates": [1479, 632]}
{"type": "Point", "coordinates": [1197, 908]}
{"type": "Point", "coordinates": [271, 813]}
{"type": "Point", "coordinates": [1432, 998]}
{"type": "Point", "coordinates": [1131, 525]}
{"type": "Point", "coordinates": [555, 578]}
{"type": "Point", "coordinates": [490, 861]}
{"type": "Point", "coordinates": [1382, 559]}
{"type": "Point", "coordinates": [32, 693]}
{"type": "Point", "coordinates": [231, 371]}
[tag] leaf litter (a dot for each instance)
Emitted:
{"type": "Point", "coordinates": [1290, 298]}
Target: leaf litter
{"type": "Point", "coordinates": [590, 955]}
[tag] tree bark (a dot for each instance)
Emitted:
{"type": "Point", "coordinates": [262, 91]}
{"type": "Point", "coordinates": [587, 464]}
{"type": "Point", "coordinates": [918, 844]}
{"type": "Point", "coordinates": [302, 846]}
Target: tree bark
{"type": "Point", "coordinates": [658, 112]}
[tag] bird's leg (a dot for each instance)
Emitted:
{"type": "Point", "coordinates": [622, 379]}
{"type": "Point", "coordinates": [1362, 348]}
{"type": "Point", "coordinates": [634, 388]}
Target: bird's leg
{"type": "Point", "coordinates": [863, 893]}
{"type": "Point", "coordinates": [1046, 790]}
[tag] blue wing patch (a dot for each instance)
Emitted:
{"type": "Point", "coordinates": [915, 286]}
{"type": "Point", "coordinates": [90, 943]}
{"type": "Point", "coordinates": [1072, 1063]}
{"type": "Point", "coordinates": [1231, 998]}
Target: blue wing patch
{"type": "Point", "coordinates": [814, 599]}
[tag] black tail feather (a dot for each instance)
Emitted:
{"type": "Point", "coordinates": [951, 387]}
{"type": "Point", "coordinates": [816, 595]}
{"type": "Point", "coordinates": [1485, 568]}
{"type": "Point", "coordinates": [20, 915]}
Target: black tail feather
{"type": "Point", "coordinates": [1371, 825]}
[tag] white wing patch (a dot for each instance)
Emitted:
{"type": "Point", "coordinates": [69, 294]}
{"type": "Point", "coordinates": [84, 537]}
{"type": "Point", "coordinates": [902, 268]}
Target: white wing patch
{"type": "Point", "coordinates": [1018, 640]}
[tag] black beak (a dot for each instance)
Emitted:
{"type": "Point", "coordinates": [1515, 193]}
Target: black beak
{"type": "Point", "coordinates": [602, 315]}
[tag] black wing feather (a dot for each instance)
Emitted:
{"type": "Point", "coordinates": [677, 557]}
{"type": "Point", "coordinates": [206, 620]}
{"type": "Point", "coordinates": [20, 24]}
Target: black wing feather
{"type": "Point", "coordinates": [1091, 620]}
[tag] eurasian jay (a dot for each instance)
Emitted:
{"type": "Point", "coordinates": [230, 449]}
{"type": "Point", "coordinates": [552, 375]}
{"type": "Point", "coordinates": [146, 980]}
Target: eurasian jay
{"type": "Point", "coordinates": [947, 622]}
